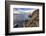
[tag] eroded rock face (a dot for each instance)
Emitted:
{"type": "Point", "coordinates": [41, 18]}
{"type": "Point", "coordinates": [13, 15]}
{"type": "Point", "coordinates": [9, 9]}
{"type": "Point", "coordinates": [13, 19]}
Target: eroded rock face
{"type": "Point", "coordinates": [34, 21]}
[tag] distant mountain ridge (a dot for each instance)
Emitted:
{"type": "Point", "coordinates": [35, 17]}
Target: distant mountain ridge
{"type": "Point", "coordinates": [24, 9]}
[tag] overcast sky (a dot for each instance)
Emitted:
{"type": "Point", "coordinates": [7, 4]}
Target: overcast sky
{"type": "Point", "coordinates": [18, 13]}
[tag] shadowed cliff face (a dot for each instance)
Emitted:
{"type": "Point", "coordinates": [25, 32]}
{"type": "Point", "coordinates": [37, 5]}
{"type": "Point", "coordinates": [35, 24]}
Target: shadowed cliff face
{"type": "Point", "coordinates": [19, 19]}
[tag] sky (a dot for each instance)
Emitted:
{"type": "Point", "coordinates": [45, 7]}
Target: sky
{"type": "Point", "coordinates": [23, 10]}
{"type": "Point", "coordinates": [20, 13]}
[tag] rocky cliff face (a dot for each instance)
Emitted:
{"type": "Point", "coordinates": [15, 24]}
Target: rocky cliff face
{"type": "Point", "coordinates": [34, 21]}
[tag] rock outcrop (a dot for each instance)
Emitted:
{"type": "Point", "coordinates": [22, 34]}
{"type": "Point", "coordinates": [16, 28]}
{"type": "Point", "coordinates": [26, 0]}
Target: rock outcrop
{"type": "Point", "coordinates": [34, 21]}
